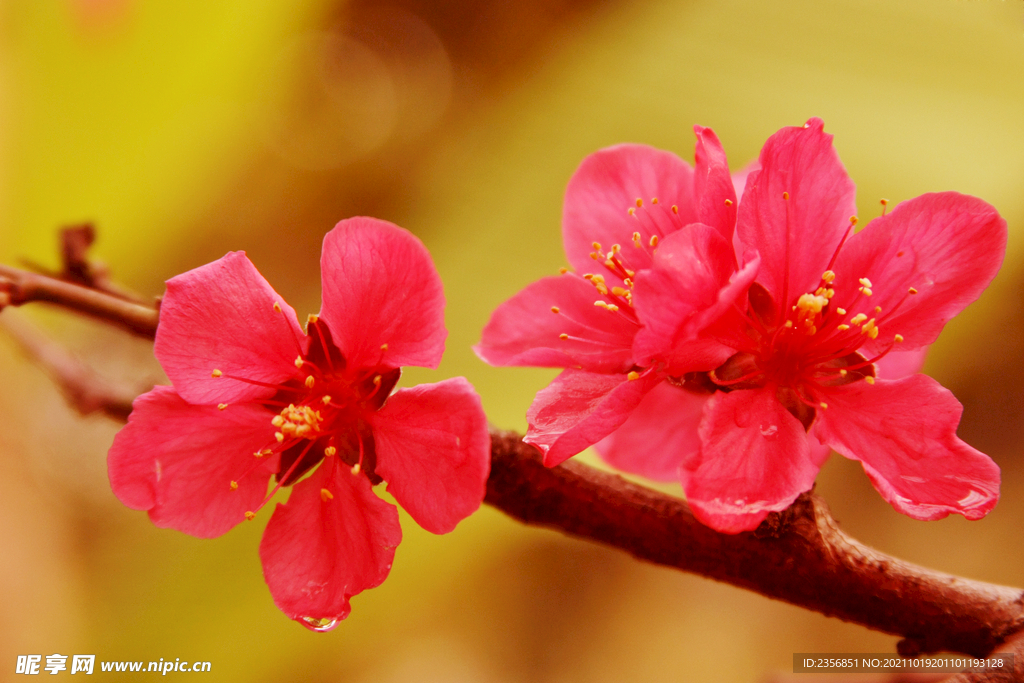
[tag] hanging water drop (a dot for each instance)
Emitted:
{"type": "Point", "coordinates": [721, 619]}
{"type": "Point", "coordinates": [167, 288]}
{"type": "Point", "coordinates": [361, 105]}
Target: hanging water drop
{"type": "Point", "coordinates": [320, 625]}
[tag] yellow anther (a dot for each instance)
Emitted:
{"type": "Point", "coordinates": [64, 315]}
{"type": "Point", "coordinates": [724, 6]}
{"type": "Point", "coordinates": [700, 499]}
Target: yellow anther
{"type": "Point", "coordinates": [828, 276]}
{"type": "Point", "coordinates": [563, 336]}
{"type": "Point", "coordinates": [858, 319]}
{"type": "Point", "coordinates": [310, 381]}
{"type": "Point", "coordinates": [216, 373]}
{"type": "Point", "coordinates": [675, 209]}
{"type": "Point", "coordinates": [632, 375]}
{"type": "Point", "coordinates": [884, 202]}
{"type": "Point", "coordinates": [841, 311]}
{"type": "Point", "coordinates": [639, 202]}
{"type": "Point", "coordinates": [596, 246]}
{"type": "Point", "coordinates": [383, 347]}
{"type": "Point", "coordinates": [629, 273]}
{"type": "Point", "coordinates": [866, 282]}
{"type": "Point", "coordinates": [866, 291]}
{"type": "Point", "coordinates": [222, 406]}
{"type": "Point", "coordinates": [819, 291]}
{"type": "Point", "coordinates": [728, 202]}
{"type": "Point", "coordinates": [654, 200]}
{"type": "Point", "coordinates": [376, 380]}
{"type": "Point", "coordinates": [829, 293]}
{"type": "Point", "coordinates": [265, 451]}
{"type": "Point", "coordinates": [555, 309]}
{"type": "Point", "coordinates": [330, 450]}
{"type": "Point", "coordinates": [598, 278]}
{"type": "Point", "coordinates": [842, 328]}
{"type": "Point", "coordinates": [277, 307]}
{"type": "Point", "coordinates": [789, 323]}
{"type": "Point", "coordinates": [912, 291]}
{"type": "Point", "coordinates": [878, 309]}
{"type": "Point", "coordinates": [785, 195]}
{"type": "Point", "coordinates": [601, 287]}
{"type": "Point", "coordinates": [606, 306]}
{"type": "Point", "coordinates": [627, 282]}
{"type": "Point", "coordinates": [298, 362]}
{"type": "Point", "coordinates": [810, 304]}
{"type": "Point", "coordinates": [631, 211]}
{"type": "Point", "coordinates": [279, 436]}
{"type": "Point", "coordinates": [563, 270]}
{"type": "Point", "coordinates": [869, 379]}
{"type": "Point", "coordinates": [636, 238]}
{"type": "Point", "coordinates": [898, 338]}
{"type": "Point", "coordinates": [250, 515]}
{"type": "Point", "coordinates": [609, 263]}
{"type": "Point", "coordinates": [326, 495]}
{"type": "Point", "coordinates": [823, 405]}
{"type": "Point", "coordinates": [653, 241]}
{"type": "Point", "coordinates": [234, 486]}
{"type": "Point", "coordinates": [619, 291]}
{"type": "Point", "coordinates": [356, 468]}
{"type": "Point", "coordinates": [313, 318]}
{"type": "Point", "coordinates": [853, 220]}
{"type": "Point", "coordinates": [616, 248]}
{"type": "Point", "coordinates": [277, 421]}
{"type": "Point", "coordinates": [811, 330]}
{"type": "Point", "coordinates": [842, 373]}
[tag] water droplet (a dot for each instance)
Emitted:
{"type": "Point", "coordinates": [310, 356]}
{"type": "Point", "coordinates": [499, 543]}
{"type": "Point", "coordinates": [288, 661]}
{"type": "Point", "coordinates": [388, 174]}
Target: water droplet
{"type": "Point", "coordinates": [319, 625]}
{"type": "Point", "coordinates": [769, 431]}
{"type": "Point", "coordinates": [740, 501]}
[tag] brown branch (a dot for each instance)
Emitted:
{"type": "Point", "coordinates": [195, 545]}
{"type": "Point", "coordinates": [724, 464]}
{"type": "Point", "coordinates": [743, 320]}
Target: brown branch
{"type": "Point", "coordinates": [86, 391]}
{"type": "Point", "coordinates": [19, 287]}
{"type": "Point", "coordinates": [799, 556]}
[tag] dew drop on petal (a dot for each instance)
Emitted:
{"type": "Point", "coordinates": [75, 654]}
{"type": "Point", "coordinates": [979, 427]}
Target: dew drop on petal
{"type": "Point", "coordinates": [769, 431]}
{"type": "Point", "coordinates": [321, 625]}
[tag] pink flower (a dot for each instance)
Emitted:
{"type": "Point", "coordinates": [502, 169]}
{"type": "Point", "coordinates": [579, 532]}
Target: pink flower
{"type": "Point", "coordinates": [620, 204]}
{"type": "Point", "coordinates": [722, 350]}
{"type": "Point", "coordinates": [254, 397]}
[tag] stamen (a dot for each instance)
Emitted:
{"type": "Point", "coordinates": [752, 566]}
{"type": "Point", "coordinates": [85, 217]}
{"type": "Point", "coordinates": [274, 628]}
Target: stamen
{"type": "Point", "coordinates": [326, 495]}
{"type": "Point", "coordinates": [563, 270]}
{"type": "Point", "coordinates": [330, 450]}
{"type": "Point", "coordinates": [555, 309]}
{"type": "Point", "coordinates": [728, 202]}
{"type": "Point", "coordinates": [869, 379]}
{"type": "Point", "coordinates": [216, 373]}
{"type": "Point", "coordinates": [654, 240]}
{"type": "Point", "coordinates": [277, 307]}
{"type": "Point", "coordinates": [885, 205]}
{"type": "Point", "coordinates": [298, 362]}
{"type": "Point", "coordinates": [222, 406]}
{"type": "Point", "coordinates": [898, 338]}
{"type": "Point", "coordinates": [355, 468]}
{"type": "Point", "coordinates": [250, 515]}
{"type": "Point", "coordinates": [675, 209]}
{"type": "Point", "coordinates": [633, 375]}
{"type": "Point", "coordinates": [234, 485]}
{"type": "Point", "coordinates": [310, 381]}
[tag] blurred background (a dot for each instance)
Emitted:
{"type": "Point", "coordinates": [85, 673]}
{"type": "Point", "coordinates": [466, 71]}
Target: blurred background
{"type": "Point", "coordinates": [188, 129]}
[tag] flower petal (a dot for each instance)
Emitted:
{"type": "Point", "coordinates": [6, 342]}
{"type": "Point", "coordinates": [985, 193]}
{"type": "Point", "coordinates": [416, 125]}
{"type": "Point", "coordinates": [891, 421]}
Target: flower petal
{"type": "Point", "coordinates": [900, 364]}
{"type": "Point", "coordinates": [321, 549]}
{"type": "Point", "coordinates": [382, 296]}
{"type": "Point", "coordinates": [904, 434]}
{"type": "Point", "coordinates": [798, 235]}
{"type": "Point", "coordinates": [225, 316]}
{"type": "Point", "coordinates": [434, 451]}
{"type": "Point", "coordinates": [713, 186]}
{"type": "Point", "coordinates": [755, 460]}
{"type": "Point", "coordinates": [659, 433]}
{"type": "Point", "coordinates": [947, 246]}
{"type": "Point", "coordinates": [607, 184]}
{"type": "Point", "coordinates": [177, 461]}
{"type": "Point", "coordinates": [693, 283]}
{"type": "Point", "coordinates": [525, 331]}
{"type": "Point", "coordinates": [580, 408]}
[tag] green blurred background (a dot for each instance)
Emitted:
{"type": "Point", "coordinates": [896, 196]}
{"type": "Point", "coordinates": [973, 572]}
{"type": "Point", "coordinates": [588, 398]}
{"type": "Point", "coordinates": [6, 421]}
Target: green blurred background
{"type": "Point", "coordinates": [188, 129]}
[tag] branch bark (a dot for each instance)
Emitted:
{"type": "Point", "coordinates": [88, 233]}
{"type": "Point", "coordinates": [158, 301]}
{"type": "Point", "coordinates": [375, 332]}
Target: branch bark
{"type": "Point", "coordinates": [799, 556]}
{"type": "Point", "coordinates": [19, 287]}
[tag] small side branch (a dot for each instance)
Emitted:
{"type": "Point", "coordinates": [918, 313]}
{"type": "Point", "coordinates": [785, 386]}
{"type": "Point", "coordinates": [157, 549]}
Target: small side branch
{"type": "Point", "coordinates": [83, 388]}
{"type": "Point", "coordinates": [19, 287]}
{"type": "Point", "coordinates": [799, 556]}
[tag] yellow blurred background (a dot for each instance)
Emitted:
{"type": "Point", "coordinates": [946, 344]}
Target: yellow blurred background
{"type": "Point", "coordinates": [187, 129]}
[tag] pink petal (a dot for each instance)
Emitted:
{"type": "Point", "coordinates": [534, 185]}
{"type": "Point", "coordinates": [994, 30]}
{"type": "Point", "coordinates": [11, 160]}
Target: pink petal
{"type": "Point", "coordinates": [525, 331]}
{"type": "Point", "coordinates": [177, 461]}
{"type": "Point", "coordinates": [659, 433]}
{"type": "Point", "coordinates": [579, 408]}
{"type": "Point", "coordinates": [604, 188]}
{"type": "Point", "coordinates": [381, 288]}
{"type": "Point", "coordinates": [222, 316]}
{"type": "Point", "coordinates": [713, 186]}
{"type": "Point", "coordinates": [692, 284]}
{"type": "Point", "coordinates": [434, 451]}
{"type": "Point", "coordinates": [900, 364]}
{"type": "Point", "coordinates": [755, 460]}
{"type": "Point", "coordinates": [798, 235]}
{"type": "Point", "coordinates": [319, 551]}
{"type": "Point", "coordinates": [739, 178]}
{"type": "Point", "coordinates": [903, 432]}
{"type": "Point", "coordinates": [947, 246]}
